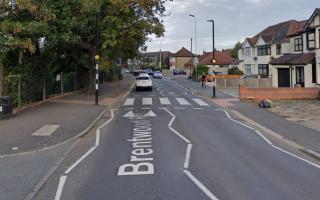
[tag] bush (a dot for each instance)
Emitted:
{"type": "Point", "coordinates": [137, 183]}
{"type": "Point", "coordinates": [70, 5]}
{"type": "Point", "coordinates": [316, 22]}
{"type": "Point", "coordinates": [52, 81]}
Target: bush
{"type": "Point", "coordinates": [201, 69]}
{"type": "Point", "coordinates": [234, 71]}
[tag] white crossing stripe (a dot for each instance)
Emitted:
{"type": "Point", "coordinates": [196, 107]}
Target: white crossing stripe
{"type": "Point", "coordinates": [200, 102]}
{"type": "Point", "coordinates": [182, 101]}
{"type": "Point", "coordinates": [165, 101]}
{"type": "Point", "coordinates": [147, 101]}
{"type": "Point", "coordinates": [129, 102]}
{"type": "Point", "coordinates": [46, 130]}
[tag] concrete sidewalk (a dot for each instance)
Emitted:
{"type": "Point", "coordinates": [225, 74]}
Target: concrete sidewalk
{"type": "Point", "coordinates": [58, 120]}
{"type": "Point", "coordinates": [301, 135]}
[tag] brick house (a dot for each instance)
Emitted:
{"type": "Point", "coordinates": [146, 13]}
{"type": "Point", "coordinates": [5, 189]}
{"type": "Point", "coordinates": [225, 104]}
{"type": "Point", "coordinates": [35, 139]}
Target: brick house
{"type": "Point", "coordinates": [288, 52]}
{"type": "Point", "coordinates": [181, 58]}
{"type": "Point", "coordinates": [223, 61]}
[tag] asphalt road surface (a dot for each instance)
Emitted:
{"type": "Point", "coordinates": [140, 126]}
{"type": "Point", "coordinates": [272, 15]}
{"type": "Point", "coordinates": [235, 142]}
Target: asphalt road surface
{"type": "Point", "coordinates": [170, 144]}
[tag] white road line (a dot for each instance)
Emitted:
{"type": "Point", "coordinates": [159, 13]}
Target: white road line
{"type": "Point", "coordinates": [228, 115]}
{"type": "Point", "coordinates": [179, 108]}
{"type": "Point", "coordinates": [80, 160]}
{"type": "Point", "coordinates": [129, 109]}
{"type": "Point", "coordinates": [97, 138]}
{"type": "Point", "coordinates": [200, 102]}
{"type": "Point", "coordinates": [178, 134]}
{"type": "Point", "coordinates": [263, 137]}
{"type": "Point", "coordinates": [129, 102]}
{"type": "Point", "coordinates": [183, 101]}
{"type": "Point", "coordinates": [60, 187]}
{"type": "Point", "coordinates": [271, 144]}
{"type": "Point", "coordinates": [295, 156]}
{"type": "Point", "coordinates": [200, 185]}
{"type": "Point", "coordinates": [187, 158]}
{"type": "Point", "coordinates": [147, 101]}
{"type": "Point", "coordinates": [165, 101]}
{"type": "Point", "coordinates": [198, 108]}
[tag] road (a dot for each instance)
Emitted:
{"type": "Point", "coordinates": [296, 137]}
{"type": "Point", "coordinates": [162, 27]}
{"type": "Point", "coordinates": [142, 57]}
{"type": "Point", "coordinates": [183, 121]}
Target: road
{"type": "Point", "coordinates": [173, 144]}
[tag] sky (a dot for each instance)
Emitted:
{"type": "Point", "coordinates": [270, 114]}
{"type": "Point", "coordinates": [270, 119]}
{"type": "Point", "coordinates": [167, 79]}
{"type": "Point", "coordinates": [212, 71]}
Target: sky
{"type": "Point", "coordinates": [234, 21]}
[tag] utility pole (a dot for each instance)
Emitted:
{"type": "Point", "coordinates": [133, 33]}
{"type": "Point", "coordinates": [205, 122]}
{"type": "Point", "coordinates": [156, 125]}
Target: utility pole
{"type": "Point", "coordinates": [195, 44]}
{"type": "Point", "coordinates": [213, 57]}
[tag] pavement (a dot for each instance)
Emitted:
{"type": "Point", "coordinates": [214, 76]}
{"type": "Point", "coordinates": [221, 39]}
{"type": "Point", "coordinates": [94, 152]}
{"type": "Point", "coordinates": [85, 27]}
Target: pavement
{"type": "Point", "coordinates": [172, 143]}
{"type": "Point", "coordinates": [304, 112]}
{"type": "Point", "coordinates": [304, 137]}
{"type": "Point", "coordinates": [57, 120]}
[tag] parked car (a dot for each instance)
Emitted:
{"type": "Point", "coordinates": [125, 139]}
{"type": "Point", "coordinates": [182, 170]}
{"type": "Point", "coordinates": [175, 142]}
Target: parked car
{"type": "Point", "coordinates": [157, 75]}
{"type": "Point", "coordinates": [179, 72]}
{"type": "Point", "coordinates": [250, 76]}
{"type": "Point", "coordinates": [150, 72]}
{"type": "Point", "coordinates": [144, 82]}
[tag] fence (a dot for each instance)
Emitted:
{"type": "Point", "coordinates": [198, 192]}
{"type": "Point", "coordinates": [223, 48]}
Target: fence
{"type": "Point", "coordinates": [226, 76]}
{"type": "Point", "coordinates": [251, 83]}
{"type": "Point", "coordinates": [25, 90]}
{"type": "Point", "coordinates": [278, 93]}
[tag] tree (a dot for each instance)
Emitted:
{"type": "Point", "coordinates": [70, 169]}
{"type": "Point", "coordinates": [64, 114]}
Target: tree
{"type": "Point", "coordinates": [234, 51]}
{"type": "Point", "coordinates": [234, 71]}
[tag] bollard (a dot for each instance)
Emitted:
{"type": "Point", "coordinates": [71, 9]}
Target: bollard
{"type": "Point", "coordinates": [214, 91]}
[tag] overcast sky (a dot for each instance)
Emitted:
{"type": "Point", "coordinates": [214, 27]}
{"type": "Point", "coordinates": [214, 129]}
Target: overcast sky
{"type": "Point", "coordinates": [234, 19]}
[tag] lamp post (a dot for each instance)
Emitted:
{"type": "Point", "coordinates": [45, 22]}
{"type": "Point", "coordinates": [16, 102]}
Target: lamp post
{"type": "Point", "coordinates": [97, 57]}
{"type": "Point", "coordinates": [195, 43]}
{"type": "Point", "coordinates": [213, 56]}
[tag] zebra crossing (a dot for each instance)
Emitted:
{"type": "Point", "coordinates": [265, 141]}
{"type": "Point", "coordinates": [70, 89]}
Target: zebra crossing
{"type": "Point", "coordinates": [148, 101]}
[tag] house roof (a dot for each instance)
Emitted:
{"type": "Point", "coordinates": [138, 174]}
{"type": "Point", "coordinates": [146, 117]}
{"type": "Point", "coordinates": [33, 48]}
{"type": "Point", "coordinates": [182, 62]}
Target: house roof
{"type": "Point", "coordinates": [222, 58]}
{"type": "Point", "coordinates": [309, 21]}
{"type": "Point", "coordinates": [236, 62]}
{"type": "Point", "coordinates": [294, 59]}
{"type": "Point", "coordinates": [278, 33]}
{"type": "Point", "coordinates": [183, 52]}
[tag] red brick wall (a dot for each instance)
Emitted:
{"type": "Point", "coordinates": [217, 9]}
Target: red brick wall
{"type": "Point", "coordinates": [278, 93]}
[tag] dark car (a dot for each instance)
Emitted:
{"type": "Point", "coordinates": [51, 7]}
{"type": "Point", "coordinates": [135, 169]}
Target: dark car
{"type": "Point", "coordinates": [138, 72]}
{"type": "Point", "coordinates": [150, 72]}
{"type": "Point", "coordinates": [179, 72]}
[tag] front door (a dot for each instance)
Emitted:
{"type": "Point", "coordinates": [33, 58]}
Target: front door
{"type": "Point", "coordinates": [300, 76]}
{"type": "Point", "coordinates": [283, 77]}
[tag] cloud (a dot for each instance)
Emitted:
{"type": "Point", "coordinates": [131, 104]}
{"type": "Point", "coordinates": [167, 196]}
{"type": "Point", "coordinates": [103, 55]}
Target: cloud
{"type": "Point", "coordinates": [234, 20]}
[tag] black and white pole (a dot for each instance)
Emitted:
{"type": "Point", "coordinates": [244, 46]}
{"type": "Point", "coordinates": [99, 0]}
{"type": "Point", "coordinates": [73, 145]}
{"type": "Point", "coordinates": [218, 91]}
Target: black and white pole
{"type": "Point", "coordinates": [213, 58]}
{"type": "Point", "coordinates": [97, 59]}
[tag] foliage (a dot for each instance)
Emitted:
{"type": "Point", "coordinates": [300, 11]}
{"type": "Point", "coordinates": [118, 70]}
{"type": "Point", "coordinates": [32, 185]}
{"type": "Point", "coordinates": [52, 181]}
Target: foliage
{"type": "Point", "coordinates": [235, 71]}
{"type": "Point", "coordinates": [201, 69]}
{"type": "Point", "coordinates": [234, 51]}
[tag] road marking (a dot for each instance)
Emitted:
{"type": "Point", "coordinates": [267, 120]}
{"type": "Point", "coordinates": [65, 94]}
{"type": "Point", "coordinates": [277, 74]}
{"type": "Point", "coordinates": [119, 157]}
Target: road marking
{"type": "Point", "coordinates": [200, 102]}
{"type": "Point", "coordinates": [60, 187]}
{"type": "Point", "coordinates": [295, 156]}
{"type": "Point", "coordinates": [145, 108]}
{"type": "Point", "coordinates": [179, 108]}
{"type": "Point", "coordinates": [187, 158]}
{"type": "Point", "coordinates": [130, 114]}
{"type": "Point", "coordinates": [200, 185]}
{"type": "Point", "coordinates": [46, 130]}
{"type": "Point", "coordinates": [270, 143]}
{"type": "Point", "coordinates": [147, 101]}
{"type": "Point", "coordinates": [129, 102]}
{"type": "Point", "coordinates": [178, 134]}
{"type": "Point", "coordinates": [171, 93]}
{"type": "Point", "coordinates": [183, 101]}
{"type": "Point", "coordinates": [165, 101]}
{"type": "Point", "coordinates": [198, 108]}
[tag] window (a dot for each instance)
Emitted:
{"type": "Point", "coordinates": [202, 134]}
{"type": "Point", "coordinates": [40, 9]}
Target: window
{"type": "Point", "coordinates": [311, 40]}
{"type": "Point", "coordinates": [314, 72]}
{"type": "Point", "coordinates": [298, 44]}
{"type": "Point", "coordinates": [279, 49]}
{"type": "Point", "coordinates": [247, 51]}
{"type": "Point", "coordinates": [247, 68]}
{"type": "Point", "coordinates": [264, 50]}
{"type": "Point", "coordinates": [263, 70]}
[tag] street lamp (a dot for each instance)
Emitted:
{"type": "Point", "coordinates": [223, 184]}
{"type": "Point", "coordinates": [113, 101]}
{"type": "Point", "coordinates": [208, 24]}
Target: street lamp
{"type": "Point", "coordinates": [213, 56]}
{"type": "Point", "coordinates": [195, 42]}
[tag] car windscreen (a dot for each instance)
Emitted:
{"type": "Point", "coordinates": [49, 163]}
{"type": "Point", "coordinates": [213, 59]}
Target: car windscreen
{"type": "Point", "coordinates": [143, 78]}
